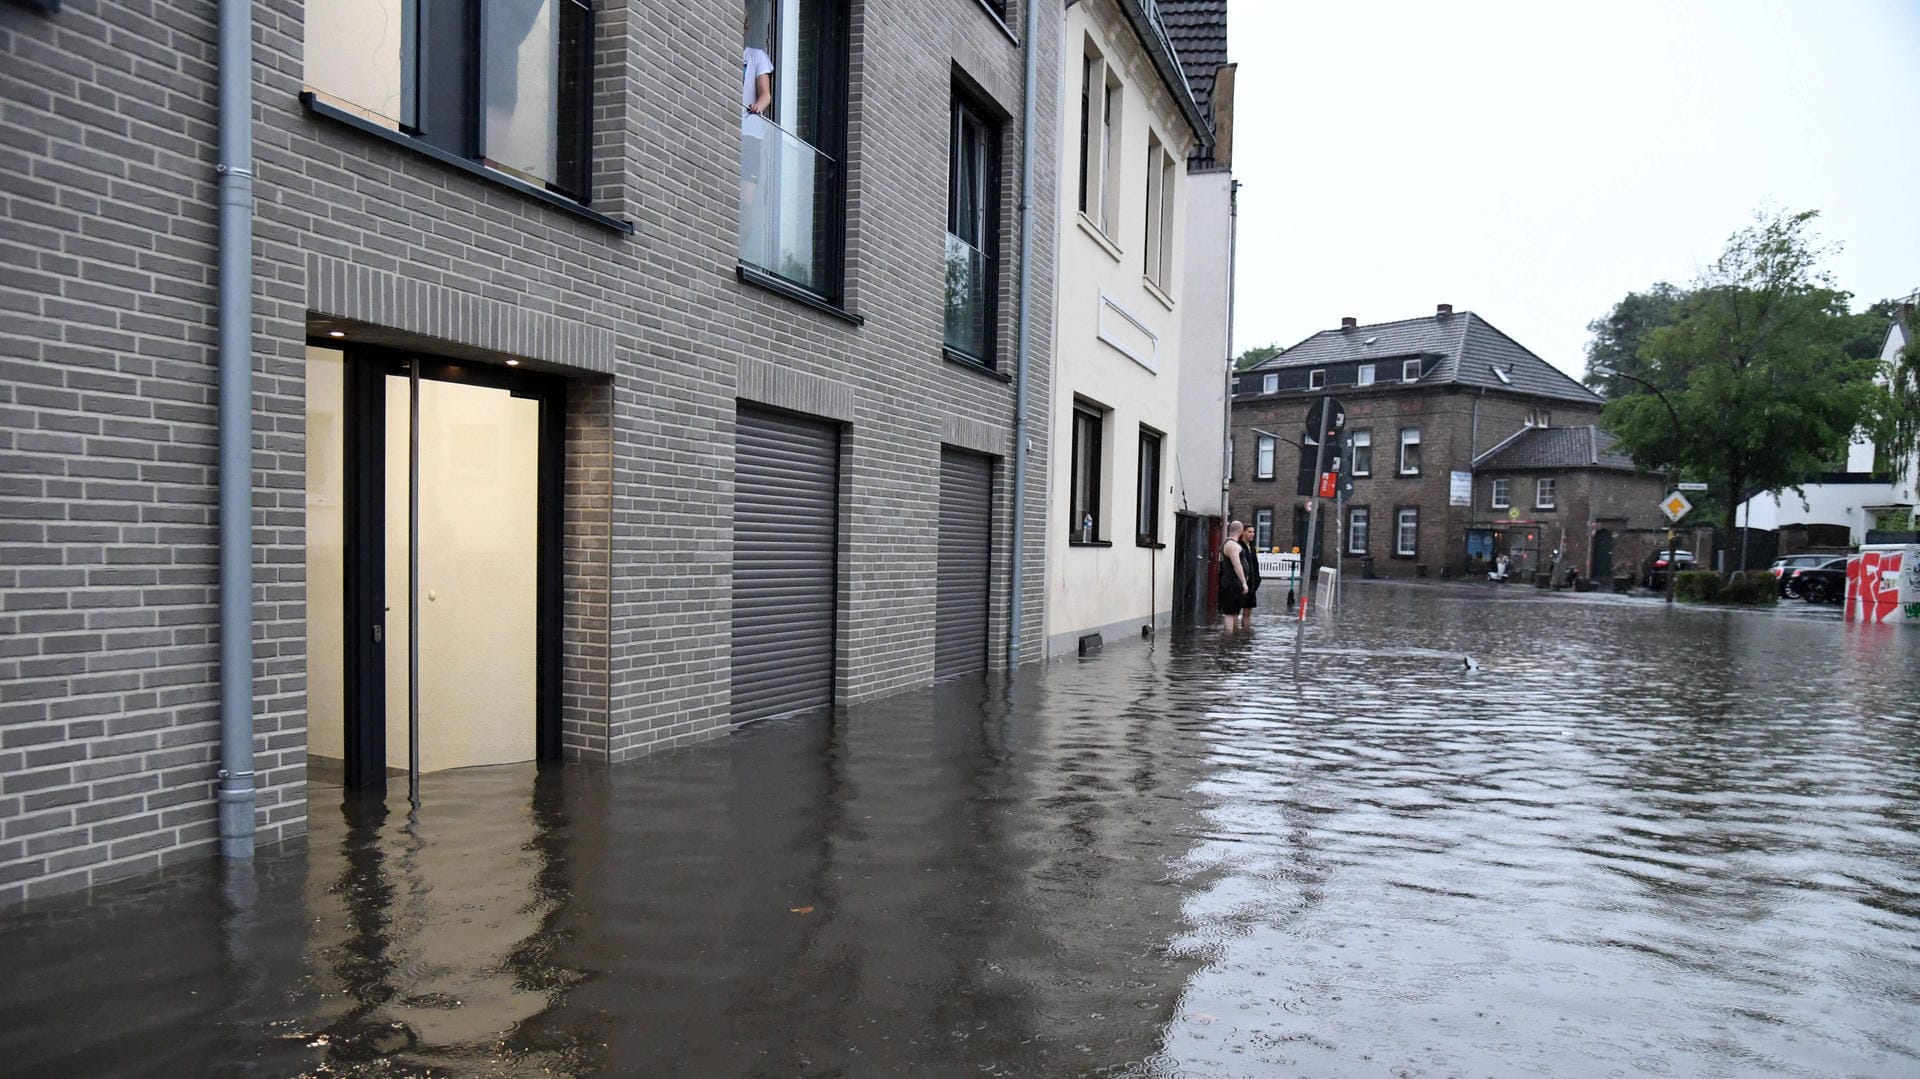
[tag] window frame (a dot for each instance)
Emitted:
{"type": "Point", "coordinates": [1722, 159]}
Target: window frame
{"type": "Point", "coordinates": [1100, 123]}
{"type": "Point", "coordinates": [1157, 263]}
{"type": "Point", "coordinates": [1401, 465]}
{"type": "Point", "coordinates": [1270, 382]}
{"type": "Point", "coordinates": [1363, 375]}
{"type": "Point", "coordinates": [1501, 497]}
{"type": "Point", "coordinates": [1086, 417]}
{"type": "Point", "coordinates": [967, 106]}
{"type": "Point", "coordinates": [450, 127]}
{"type": "Point", "coordinates": [1262, 526]}
{"type": "Point", "coordinates": [1147, 511]}
{"type": "Point", "coordinates": [1403, 517]}
{"type": "Point", "coordinates": [1266, 451]}
{"type": "Point", "coordinates": [1362, 440]}
{"type": "Point", "coordinates": [1317, 379]}
{"type": "Point", "coordinates": [1410, 370]}
{"type": "Point", "coordinates": [1545, 494]}
{"type": "Point", "coordinates": [1359, 529]}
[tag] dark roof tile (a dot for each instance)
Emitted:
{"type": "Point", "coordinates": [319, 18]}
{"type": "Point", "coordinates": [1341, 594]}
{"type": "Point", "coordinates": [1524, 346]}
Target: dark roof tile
{"type": "Point", "coordinates": [1557, 447]}
{"type": "Point", "coordinates": [1471, 351]}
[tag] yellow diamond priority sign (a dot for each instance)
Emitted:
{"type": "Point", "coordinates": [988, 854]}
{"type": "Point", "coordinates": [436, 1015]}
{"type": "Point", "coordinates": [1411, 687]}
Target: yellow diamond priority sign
{"type": "Point", "coordinates": [1675, 505]}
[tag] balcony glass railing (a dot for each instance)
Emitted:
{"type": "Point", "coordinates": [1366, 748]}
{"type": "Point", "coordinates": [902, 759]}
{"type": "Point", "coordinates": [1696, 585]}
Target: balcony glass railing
{"type": "Point", "coordinates": [784, 187]}
{"type": "Point", "coordinates": [968, 290]}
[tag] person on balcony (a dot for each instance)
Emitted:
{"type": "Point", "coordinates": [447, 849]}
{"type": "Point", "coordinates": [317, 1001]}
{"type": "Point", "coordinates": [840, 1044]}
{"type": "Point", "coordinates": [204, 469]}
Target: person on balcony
{"type": "Point", "coordinates": [756, 97]}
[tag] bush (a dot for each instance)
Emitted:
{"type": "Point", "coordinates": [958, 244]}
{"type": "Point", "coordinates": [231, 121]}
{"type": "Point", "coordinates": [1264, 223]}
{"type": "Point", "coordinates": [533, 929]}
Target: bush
{"type": "Point", "coordinates": [1698, 586]}
{"type": "Point", "coordinates": [1706, 586]}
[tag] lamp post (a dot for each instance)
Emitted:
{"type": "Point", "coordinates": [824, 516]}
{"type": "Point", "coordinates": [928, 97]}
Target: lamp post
{"type": "Point", "coordinates": [1673, 472]}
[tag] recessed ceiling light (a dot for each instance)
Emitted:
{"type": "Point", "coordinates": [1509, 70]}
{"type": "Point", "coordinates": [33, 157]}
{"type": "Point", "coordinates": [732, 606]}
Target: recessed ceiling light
{"type": "Point", "coordinates": [513, 363]}
{"type": "Point", "coordinates": [336, 333]}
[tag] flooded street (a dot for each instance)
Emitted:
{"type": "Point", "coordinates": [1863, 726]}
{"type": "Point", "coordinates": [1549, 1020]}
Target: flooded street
{"type": "Point", "coordinates": [1637, 841]}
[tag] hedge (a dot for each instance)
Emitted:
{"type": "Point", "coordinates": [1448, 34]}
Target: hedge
{"type": "Point", "coordinates": [1746, 590]}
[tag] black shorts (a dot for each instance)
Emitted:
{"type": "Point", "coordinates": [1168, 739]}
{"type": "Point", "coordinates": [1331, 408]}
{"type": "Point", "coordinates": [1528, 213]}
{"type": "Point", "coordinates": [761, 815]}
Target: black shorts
{"type": "Point", "coordinates": [1248, 603]}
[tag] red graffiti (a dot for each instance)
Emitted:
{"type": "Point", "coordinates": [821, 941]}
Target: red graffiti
{"type": "Point", "coordinates": [1873, 585]}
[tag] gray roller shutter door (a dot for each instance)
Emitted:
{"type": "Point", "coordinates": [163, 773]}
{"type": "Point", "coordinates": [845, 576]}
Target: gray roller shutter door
{"type": "Point", "coordinates": [786, 511]}
{"type": "Point", "coordinates": [965, 563]}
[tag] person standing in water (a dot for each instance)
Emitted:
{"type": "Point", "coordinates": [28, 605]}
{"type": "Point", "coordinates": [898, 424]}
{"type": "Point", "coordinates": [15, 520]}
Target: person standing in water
{"type": "Point", "coordinates": [1250, 561]}
{"type": "Point", "coordinates": [1233, 577]}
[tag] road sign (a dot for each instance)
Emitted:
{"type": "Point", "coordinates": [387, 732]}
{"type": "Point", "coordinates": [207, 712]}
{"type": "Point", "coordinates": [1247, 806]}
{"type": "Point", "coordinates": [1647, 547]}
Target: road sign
{"type": "Point", "coordinates": [1691, 486]}
{"type": "Point", "coordinates": [1675, 506]}
{"type": "Point", "coordinates": [1328, 482]}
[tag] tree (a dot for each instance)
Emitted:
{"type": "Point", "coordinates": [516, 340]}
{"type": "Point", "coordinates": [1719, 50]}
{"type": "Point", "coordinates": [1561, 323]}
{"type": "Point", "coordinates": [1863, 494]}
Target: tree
{"type": "Point", "coordinates": [1764, 387]}
{"type": "Point", "coordinates": [1617, 337]}
{"type": "Point", "coordinates": [1256, 355]}
{"type": "Point", "coordinates": [1900, 428]}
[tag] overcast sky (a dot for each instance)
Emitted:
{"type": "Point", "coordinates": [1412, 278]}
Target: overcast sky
{"type": "Point", "coordinates": [1534, 162]}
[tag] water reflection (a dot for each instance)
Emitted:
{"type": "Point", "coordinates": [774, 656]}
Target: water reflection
{"type": "Point", "coordinates": [1636, 841]}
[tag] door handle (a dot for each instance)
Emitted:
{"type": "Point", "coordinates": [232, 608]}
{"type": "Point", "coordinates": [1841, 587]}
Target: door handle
{"type": "Point", "coordinates": [376, 633]}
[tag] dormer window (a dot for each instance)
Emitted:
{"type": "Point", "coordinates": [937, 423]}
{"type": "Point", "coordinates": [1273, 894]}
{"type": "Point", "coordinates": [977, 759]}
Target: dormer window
{"type": "Point", "coordinates": [1410, 371]}
{"type": "Point", "coordinates": [1364, 377]}
{"type": "Point", "coordinates": [1269, 383]}
{"type": "Point", "coordinates": [1317, 379]}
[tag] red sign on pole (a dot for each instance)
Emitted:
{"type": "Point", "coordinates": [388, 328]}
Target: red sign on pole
{"type": "Point", "coordinates": [1329, 482]}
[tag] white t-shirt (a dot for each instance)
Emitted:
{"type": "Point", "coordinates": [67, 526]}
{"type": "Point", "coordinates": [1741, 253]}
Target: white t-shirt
{"type": "Point", "coordinates": [753, 64]}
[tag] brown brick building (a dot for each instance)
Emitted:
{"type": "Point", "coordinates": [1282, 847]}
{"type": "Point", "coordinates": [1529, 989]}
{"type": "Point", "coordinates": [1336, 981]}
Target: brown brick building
{"type": "Point", "coordinates": [1464, 446]}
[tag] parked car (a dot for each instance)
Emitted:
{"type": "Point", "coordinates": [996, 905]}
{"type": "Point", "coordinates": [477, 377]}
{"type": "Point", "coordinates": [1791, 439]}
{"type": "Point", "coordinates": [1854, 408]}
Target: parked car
{"type": "Point", "coordinates": [1657, 573]}
{"type": "Point", "coordinates": [1824, 583]}
{"type": "Point", "coordinates": [1782, 570]}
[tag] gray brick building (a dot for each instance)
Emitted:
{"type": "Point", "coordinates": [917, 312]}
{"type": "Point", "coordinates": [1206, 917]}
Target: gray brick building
{"type": "Point", "coordinates": [1438, 408]}
{"type": "Point", "coordinates": [594, 278]}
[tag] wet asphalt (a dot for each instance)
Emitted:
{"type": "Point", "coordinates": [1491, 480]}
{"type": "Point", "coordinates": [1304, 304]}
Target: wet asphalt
{"type": "Point", "coordinates": [1637, 841]}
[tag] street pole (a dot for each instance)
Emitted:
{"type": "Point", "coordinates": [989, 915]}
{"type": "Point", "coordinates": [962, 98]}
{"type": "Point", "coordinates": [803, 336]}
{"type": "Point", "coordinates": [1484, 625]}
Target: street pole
{"type": "Point", "coordinates": [1673, 563]}
{"type": "Point", "coordinates": [1673, 475]}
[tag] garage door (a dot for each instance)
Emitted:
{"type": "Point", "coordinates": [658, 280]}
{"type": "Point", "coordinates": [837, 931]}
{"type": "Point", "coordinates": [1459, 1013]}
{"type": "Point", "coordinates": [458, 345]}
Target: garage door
{"type": "Point", "coordinates": [786, 479]}
{"type": "Point", "coordinates": [966, 537]}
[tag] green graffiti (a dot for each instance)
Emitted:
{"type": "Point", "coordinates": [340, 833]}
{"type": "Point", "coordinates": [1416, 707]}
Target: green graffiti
{"type": "Point", "coordinates": [1913, 610]}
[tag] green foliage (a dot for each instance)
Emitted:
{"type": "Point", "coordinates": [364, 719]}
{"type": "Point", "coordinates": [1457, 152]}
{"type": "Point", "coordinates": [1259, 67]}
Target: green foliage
{"type": "Point", "coordinates": [1765, 389]}
{"type": "Point", "coordinates": [1900, 429]}
{"type": "Point", "coordinates": [1617, 337]}
{"type": "Point", "coordinates": [1254, 356]}
{"type": "Point", "coordinates": [1698, 586]}
{"type": "Point", "coordinates": [1706, 586]}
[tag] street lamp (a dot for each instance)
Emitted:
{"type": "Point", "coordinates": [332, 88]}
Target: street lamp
{"type": "Point", "coordinates": [1673, 472]}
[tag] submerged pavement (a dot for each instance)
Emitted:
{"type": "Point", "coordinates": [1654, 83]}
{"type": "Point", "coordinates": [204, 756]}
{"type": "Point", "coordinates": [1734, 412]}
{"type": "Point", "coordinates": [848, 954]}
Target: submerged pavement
{"type": "Point", "coordinates": [1637, 841]}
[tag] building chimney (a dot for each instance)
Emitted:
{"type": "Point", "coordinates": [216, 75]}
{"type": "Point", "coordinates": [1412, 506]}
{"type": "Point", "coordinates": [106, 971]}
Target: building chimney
{"type": "Point", "coordinates": [1349, 323]}
{"type": "Point", "coordinates": [1444, 310]}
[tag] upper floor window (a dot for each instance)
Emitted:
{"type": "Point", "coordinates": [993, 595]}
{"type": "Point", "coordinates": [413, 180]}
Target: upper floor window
{"type": "Point", "coordinates": [1543, 493]}
{"type": "Point", "coordinates": [1502, 494]}
{"type": "Point", "coordinates": [1317, 379]}
{"type": "Point", "coordinates": [1364, 377]}
{"type": "Point", "coordinates": [1160, 217]}
{"type": "Point", "coordinates": [511, 80]}
{"type": "Point", "coordinates": [793, 76]}
{"type": "Point", "coordinates": [1100, 101]}
{"type": "Point", "coordinates": [1410, 451]}
{"type": "Point", "coordinates": [1410, 371]}
{"type": "Point", "coordinates": [1270, 383]}
{"type": "Point", "coordinates": [1539, 417]}
{"type": "Point", "coordinates": [973, 228]}
{"type": "Point", "coordinates": [1362, 453]}
{"type": "Point", "coordinates": [1263, 458]}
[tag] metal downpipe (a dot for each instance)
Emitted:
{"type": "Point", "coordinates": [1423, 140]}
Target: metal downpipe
{"type": "Point", "coordinates": [1023, 345]}
{"type": "Point", "coordinates": [235, 336]}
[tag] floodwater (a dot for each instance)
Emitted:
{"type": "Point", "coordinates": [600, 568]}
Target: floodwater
{"type": "Point", "coordinates": [1636, 842]}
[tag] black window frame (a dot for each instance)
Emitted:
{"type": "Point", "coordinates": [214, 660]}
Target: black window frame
{"type": "Point", "coordinates": [1089, 430]}
{"type": "Point", "coordinates": [969, 105]}
{"type": "Point", "coordinates": [830, 101]}
{"type": "Point", "coordinates": [452, 76]}
{"type": "Point", "coordinates": [1147, 510]}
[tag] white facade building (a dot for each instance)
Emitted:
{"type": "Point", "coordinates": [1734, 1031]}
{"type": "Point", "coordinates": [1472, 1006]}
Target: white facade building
{"type": "Point", "coordinates": [1854, 498]}
{"type": "Point", "coordinates": [1128, 124]}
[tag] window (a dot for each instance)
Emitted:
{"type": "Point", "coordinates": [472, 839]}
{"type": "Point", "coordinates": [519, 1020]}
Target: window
{"type": "Point", "coordinates": [511, 80]}
{"type": "Point", "coordinates": [1363, 453]}
{"type": "Point", "coordinates": [1407, 527]}
{"type": "Point", "coordinates": [1410, 371]}
{"type": "Point", "coordinates": [973, 229]}
{"type": "Point", "coordinates": [1160, 216]}
{"type": "Point", "coordinates": [1263, 457]}
{"type": "Point", "coordinates": [1270, 383]}
{"type": "Point", "coordinates": [1083, 525]}
{"type": "Point", "coordinates": [1502, 499]}
{"type": "Point", "coordinates": [1146, 528]}
{"type": "Point", "coordinates": [1410, 451]}
{"type": "Point", "coordinates": [1364, 377]}
{"type": "Point", "coordinates": [792, 193]}
{"type": "Point", "coordinates": [1317, 379]}
{"type": "Point", "coordinates": [1099, 139]}
{"type": "Point", "coordinates": [1262, 529]}
{"type": "Point", "coordinates": [1357, 530]}
{"type": "Point", "coordinates": [1543, 494]}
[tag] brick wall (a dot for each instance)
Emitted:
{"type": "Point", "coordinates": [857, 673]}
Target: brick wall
{"type": "Point", "coordinates": [107, 487]}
